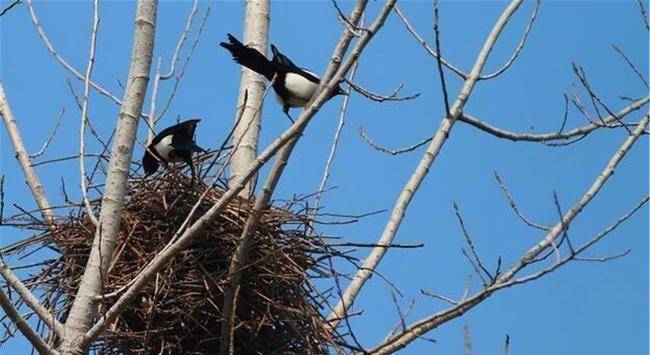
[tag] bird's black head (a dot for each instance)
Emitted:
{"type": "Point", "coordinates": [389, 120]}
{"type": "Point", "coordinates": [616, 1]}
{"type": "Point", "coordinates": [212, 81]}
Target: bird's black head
{"type": "Point", "coordinates": [149, 163]}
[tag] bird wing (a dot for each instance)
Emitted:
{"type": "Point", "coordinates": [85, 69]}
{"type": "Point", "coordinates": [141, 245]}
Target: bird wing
{"type": "Point", "coordinates": [185, 129]}
{"type": "Point", "coordinates": [249, 57]}
{"type": "Point", "coordinates": [286, 63]}
{"type": "Point", "coordinates": [149, 163]}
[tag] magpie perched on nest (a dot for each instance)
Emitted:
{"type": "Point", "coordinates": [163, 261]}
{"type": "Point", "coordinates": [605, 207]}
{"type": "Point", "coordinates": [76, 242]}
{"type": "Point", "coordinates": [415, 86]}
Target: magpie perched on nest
{"type": "Point", "coordinates": [294, 86]}
{"type": "Point", "coordinates": [172, 144]}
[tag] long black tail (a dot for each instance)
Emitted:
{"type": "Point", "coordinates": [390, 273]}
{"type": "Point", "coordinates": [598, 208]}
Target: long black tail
{"type": "Point", "coordinates": [249, 57]}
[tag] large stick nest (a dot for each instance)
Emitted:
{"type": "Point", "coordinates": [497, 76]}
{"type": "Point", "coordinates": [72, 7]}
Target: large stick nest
{"type": "Point", "coordinates": [277, 310]}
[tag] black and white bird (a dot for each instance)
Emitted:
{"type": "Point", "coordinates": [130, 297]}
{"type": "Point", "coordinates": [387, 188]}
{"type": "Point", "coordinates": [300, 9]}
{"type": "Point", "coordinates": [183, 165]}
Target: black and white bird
{"type": "Point", "coordinates": [172, 144]}
{"type": "Point", "coordinates": [294, 86]}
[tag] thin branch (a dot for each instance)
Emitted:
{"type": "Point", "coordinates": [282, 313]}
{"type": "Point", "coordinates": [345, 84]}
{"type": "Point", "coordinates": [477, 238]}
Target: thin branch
{"type": "Point", "coordinates": [33, 181]}
{"type": "Point", "coordinates": [2, 201]}
{"type": "Point", "coordinates": [50, 137]}
{"type": "Point", "coordinates": [418, 175]}
{"type": "Point", "coordinates": [580, 73]}
{"type": "Point", "coordinates": [14, 3]}
{"type": "Point", "coordinates": [181, 41]}
{"type": "Point", "coordinates": [443, 85]}
{"type": "Point", "coordinates": [84, 113]}
{"type": "Point", "coordinates": [61, 60]}
{"type": "Point", "coordinates": [381, 98]}
{"type": "Point", "coordinates": [579, 132]}
{"type": "Point", "coordinates": [178, 77]}
{"type": "Point", "coordinates": [604, 258]}
{"type": "Point", "coordinates": [46, 316]}
{"type": "Point", "coordinates": [23, 325]}
{"type": "Point", "coordinates": [95, 134]}
{"type": "Point", "coordinates": [470, 243]}
{"type": "Point", "coordinates": [399, 324]}
{"type": "Point", "coordinates": [512, 203]}
{"type": "Point", "coordinates": [152, 119]}
{"type": "Point", "coordinates": [335, 141]}
{"type": "Point", "coordinates": [426, 46]}
{"type": "Point", "coordinates": [354, 28]}
{"type": "Point", "coordinates": [373, 245]}
{"type": "Point", "coordinates": [631, 65]}
{"type": "Point", "coordinates": [468, 340]}
{"type": "Point", "coordinates": [440, 297]}
{"type": "Point", "coordinates": [644, 14]}
{"type": "Point", "coordinates": [520, 46]}
{"type": "Point", "coordinates": [378, 147]}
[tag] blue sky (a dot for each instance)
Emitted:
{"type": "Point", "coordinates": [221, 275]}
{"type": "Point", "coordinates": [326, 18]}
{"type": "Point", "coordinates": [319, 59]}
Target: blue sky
{"type": "Point", "coordinates": [586, 308]}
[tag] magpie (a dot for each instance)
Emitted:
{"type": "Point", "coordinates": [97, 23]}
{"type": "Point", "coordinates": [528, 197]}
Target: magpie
{"type": "Point", "coordinates": [172, 144]}
{"type": "Point", "coordinates": [294, 86]}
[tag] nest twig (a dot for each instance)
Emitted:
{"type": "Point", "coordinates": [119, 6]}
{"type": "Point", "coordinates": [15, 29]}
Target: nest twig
{"type": "Point", "coordinates": [180, 312]}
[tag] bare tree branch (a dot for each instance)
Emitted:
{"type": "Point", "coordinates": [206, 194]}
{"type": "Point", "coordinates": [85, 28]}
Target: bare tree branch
{"type": "Point", "coordinates": [179, 76]}
{"type": "Point", "coordinates": [14, 3]}
{"type": "Point", "coordinates": [512, 203]}
{"type": "Point", "coordinates": [378, 147]}
{"type": "Point", "coordinates": [580, 73]}
{"type": "Point", "coordinates": [50, 137]}
{"type": "Point", "coordinates": [61, 60]}
{"type": "Point", "coordinates": [426, 46]}
{"type": "Point", "coordinates": [335, 141]}
{"type": "Point", "coordinates": [644, 14]}
{"type": "Point", "coordinates": [506, 279]}
{"type": "Point", "coordinates": [548, 137]}
{"type": "Point", "coordinates": [443, 84]}
{"type": "Point", "coordinates": [152, 118]}
{"type": "Point", "coordinates": [468, 340]}
{"type": "Point", "coordinates": [470, 243]}
{"type": "Point", "coordinates": [381, 98]}
{"type": "Point", "coordinates": [84, 113]}
{"type": "Point", "coordinates": [33, 181]}
{"type": "Point", "coordinates": [440, 137]}
{"type": "Point", "coordinates": [440, 297]}
{"type": "Point", "coordinates": [520, 46]}
{"type": "Point", "coordinates": [631, 65]}
{"type": "Point", "coordinates": [23, 326]}
{"type": "Point", "coordinates": [14, 282]}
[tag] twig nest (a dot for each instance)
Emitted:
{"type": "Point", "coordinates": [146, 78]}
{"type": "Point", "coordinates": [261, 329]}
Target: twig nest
{"type": "Point", "coordinates": [180, 311]}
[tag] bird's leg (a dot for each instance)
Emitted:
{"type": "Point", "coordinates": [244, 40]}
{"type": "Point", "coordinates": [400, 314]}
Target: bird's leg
{"type": "Point", "coordinates": [193, 172]}
{"type": "Point", "coordinates": [285, 109]}
{"type": "Point", "coordinates": [188, 160]}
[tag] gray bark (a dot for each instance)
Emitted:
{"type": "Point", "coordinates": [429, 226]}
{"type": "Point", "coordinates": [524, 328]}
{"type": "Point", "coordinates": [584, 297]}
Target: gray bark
{"type": "Point", "coordinates": [84, 307]}
{"type": "Point", "coordinates": [251, 95]}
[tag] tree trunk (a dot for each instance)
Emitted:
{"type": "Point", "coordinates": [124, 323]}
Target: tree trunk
{"type": "Point", "coordinates": [251, 92]}
{"type": "Point", "coordinates": [84, 307]}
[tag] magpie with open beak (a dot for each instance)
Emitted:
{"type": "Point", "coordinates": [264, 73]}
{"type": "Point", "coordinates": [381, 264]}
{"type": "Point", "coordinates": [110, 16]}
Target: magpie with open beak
{"type": "Point", "coordinates": [172, 144]}
{"type": "Point", "coordinates": [294, 86]}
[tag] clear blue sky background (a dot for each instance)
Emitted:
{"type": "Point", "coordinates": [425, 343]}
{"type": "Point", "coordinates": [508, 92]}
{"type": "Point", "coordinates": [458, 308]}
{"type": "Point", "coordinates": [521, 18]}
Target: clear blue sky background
{"type": "Point", "coordinates": [595, 309]}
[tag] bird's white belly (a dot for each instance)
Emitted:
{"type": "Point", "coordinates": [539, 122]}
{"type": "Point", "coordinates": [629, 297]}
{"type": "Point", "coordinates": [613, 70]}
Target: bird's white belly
{"type": "Point", "coordinates": [300, 89]}
{"type": "Point", "coordinates": [164, 149]}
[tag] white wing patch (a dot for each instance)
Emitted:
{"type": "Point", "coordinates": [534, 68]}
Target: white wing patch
{"type": "Point", "coordinates": [165, 149]}
{"type": "Point", "coordinates": [300, 89]}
